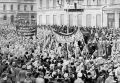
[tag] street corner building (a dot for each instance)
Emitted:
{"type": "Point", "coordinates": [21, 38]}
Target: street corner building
{"type": "Point", "coordinates": [10, 10]}
{"type": "Point", "coordinates": [90, 13]}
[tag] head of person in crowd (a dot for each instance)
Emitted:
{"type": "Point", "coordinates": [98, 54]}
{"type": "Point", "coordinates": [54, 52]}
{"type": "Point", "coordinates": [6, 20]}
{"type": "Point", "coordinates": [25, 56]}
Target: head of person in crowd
{"type": "Point", "coordinates": [117, 73]}
{"type": "Point", "coordinates": [4, 76]}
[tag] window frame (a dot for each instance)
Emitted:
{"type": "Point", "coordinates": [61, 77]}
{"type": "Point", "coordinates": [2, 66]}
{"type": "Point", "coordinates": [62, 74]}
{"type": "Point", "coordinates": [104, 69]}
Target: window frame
{"type": "Point", "coordinates": [25, 7]}
{"type": "Point", "coordinates": [31, 7]}
{"type": "Point", "coordinates": [11, 7]}
{"type": "Point", "coordinates": [5, 17]}
{"type": "Point", "coordinates": [111, 21]}
{"type": "Point", "coordinates": [4, 7]}
{"type": "Point", "coordinates": [99, 3]}
{"type": "Point", "coordinates": [89, 2]}
{"type": "Point", "coordinates": [18, 7]}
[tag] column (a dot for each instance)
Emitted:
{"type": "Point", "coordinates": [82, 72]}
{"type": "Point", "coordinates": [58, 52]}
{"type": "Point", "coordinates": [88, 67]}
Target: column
{"type": "Point", "coordinates": [104, 20]}
{"type": "Point", "coordinates": [75, 21]}
{"type": "Point", "coordinates": [116, 20]}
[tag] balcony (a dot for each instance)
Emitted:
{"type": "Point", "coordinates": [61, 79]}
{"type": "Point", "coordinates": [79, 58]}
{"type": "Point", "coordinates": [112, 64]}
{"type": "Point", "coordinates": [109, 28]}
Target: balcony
{"type": "Point", "coordinates": [75, 7]}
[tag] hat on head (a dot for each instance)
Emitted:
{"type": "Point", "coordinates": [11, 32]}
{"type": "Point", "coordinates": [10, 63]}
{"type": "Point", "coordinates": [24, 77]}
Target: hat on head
{"type": "Point", "coordinates": [24, 67]}
{"type": "Point", "coordinates": [28, 74]}
{"type": "Point", "coordinates": [111, 74]}
{"type": "Point", "coordinates": [29, 67]}
{"type": "Point", "coordinates": [40, 67]}
{"type": "Point", "coordinates": [59, 64]}
{"type": "Point", "coordinates": [47, 72]}
{"type": "Point", "coordinates": [53, 73]}
{"type": "Point", "coordinates": [80, 58]}
{"type": "Point", "coordinates": [117, 71]}
{"type": "Point", "coordinates": [79, 74]}
{"type": "Point", "coordinates": [4, 75]}
{"type": "Point", "coordinates": [65, 75]}
{"type": "Point", "coordinates": [41, 74]}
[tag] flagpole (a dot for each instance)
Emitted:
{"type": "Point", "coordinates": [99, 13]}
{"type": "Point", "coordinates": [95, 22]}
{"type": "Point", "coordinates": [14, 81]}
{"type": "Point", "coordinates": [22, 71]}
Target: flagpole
{"type": "Point", "coordinates": [68, 28]}
{"type": "Point", "coordinates": [67, 24]}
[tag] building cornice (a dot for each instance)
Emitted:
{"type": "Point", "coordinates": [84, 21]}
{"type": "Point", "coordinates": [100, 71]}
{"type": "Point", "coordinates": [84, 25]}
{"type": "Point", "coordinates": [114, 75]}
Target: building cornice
{"type": "Point", "coordinates": [18, 2]}
{"type": "Point", "coordinates": [15, 12]}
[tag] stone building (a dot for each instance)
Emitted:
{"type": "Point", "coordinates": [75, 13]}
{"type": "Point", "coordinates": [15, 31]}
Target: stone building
{"type": "Point", "coordinates": [11, 9]}
{"type": "Point", "coordinates": [94, 13]}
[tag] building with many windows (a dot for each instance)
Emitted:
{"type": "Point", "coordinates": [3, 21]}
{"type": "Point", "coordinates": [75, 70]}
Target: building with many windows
{"type": "Point", "coordinates": [11, 9]}
{"type": "Point", "coordinates": [94, 13]}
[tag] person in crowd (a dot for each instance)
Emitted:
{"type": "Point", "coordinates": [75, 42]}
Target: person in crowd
{"type": "Point", "coordinates": [26, 61]}
{"type": "Point", "coordinates": [40, 78]}
{"type": "Point", "coordinates": [28, 78]}
{"type": "Point", "coordinates": [101, 77]}
{"type": "Point", "coordinates": [5, 78]}
{"type": "Point", "coordinates": [110, 78]}
{"type": "Point", "coordinates": [79, 78]}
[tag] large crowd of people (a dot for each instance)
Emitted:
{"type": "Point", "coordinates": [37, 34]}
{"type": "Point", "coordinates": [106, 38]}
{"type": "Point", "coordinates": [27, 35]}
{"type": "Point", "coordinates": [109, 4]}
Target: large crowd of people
{"type": "Point", "coordinates": [39, 59]}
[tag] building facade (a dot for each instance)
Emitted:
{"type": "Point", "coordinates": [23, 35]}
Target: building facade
{"type": "Point", "coordinates": [94, 13]}
{"type": "Point", "coordinates": [11, 9]}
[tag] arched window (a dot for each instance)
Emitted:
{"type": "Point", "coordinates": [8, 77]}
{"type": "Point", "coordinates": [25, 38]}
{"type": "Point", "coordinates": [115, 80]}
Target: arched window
{"type": "Point", "coordinates": [5, 17]}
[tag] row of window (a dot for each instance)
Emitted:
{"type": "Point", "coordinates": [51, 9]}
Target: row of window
{"type": "Point", "coordinates": [110, 18]}
{"type": "Point", "coordinates": [18, 8]}
{"type": "Point", "coordinates": [79, 2]}
{"type": "Point", "coordinates": [71, 19]}
{"type": "Point", "coordinates": [61, 2]}
{"type": "Point", "coordinates": [5, 17]}
{"type": "Point", "coordinates": [11, 18]}
{"type": "Point", "coordinates": [89, 2]}
{"type": "Point", "coordinates": [55, 2]}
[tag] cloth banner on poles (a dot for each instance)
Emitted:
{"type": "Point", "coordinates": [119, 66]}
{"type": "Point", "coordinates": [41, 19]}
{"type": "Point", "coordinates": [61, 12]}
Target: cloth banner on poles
{"type": "Point", "coordinates": [67, 39]}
